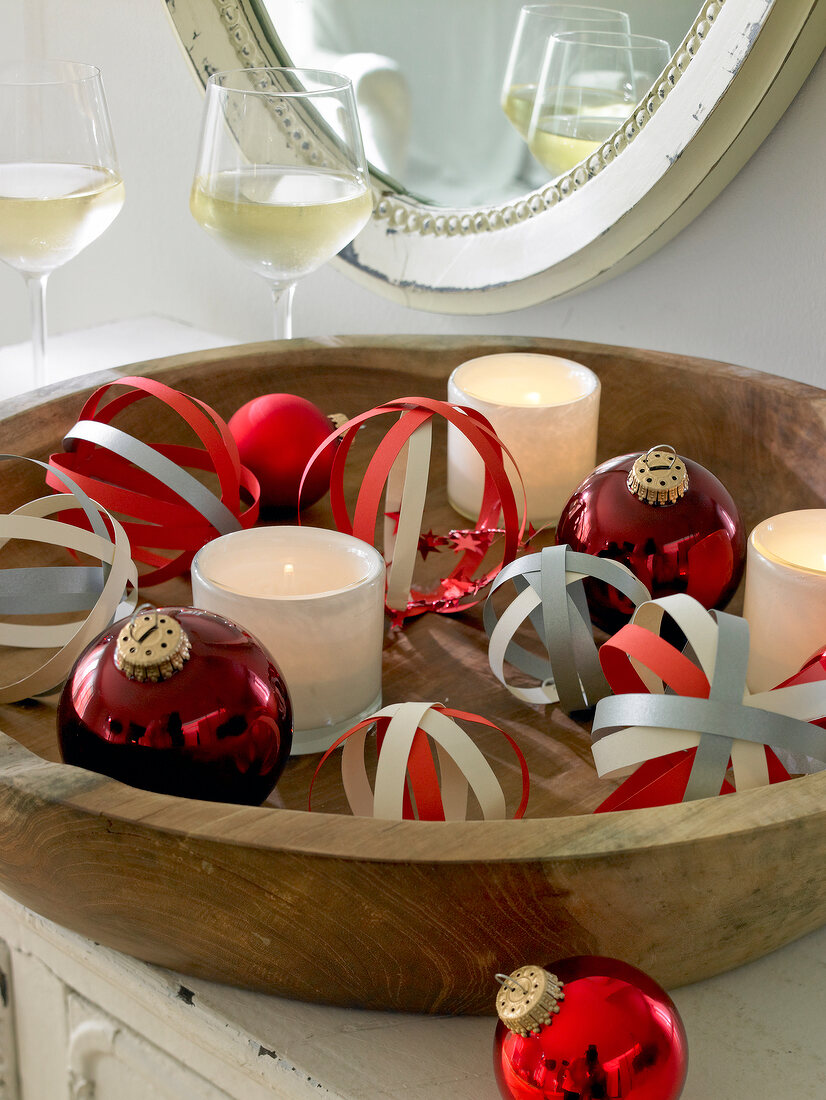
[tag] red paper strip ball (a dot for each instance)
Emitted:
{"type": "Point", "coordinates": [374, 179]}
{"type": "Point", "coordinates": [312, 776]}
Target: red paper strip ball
{"type": "Point", "coordinates": [167, 511]}
{"type": "Point", "coordinates": [277, 434]}
{"type": "Point", "coordinates": [696, 545]}
{"type": "Point", "coordinates": [219, 728]}
{"type": "Point", "coordinates": [617, 1033]}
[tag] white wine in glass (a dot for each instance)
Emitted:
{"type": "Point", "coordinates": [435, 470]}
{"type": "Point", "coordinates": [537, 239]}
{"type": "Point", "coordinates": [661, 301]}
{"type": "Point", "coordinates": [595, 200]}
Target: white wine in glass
{"type": "Point", "coordinates": [282, 180]}
{"type": "Point", "coordinates": [590, 83]}
{"type": "Point", "coordinates": [534, 27]}
{"type": "Point", "coordinates": [60, 187]}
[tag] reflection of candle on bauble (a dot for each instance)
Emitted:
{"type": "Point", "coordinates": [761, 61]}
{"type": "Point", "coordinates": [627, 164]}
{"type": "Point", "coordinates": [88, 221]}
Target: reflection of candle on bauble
{"type": "Point", "coordinates": [785, 597]}
{"type": "Point", "coordinates": [315, 599]}
{"type": "Point", "coordinates": [544, 410]}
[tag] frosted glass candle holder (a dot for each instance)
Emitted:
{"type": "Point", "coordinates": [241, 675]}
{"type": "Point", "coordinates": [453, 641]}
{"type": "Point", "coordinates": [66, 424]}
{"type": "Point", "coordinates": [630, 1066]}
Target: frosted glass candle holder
{"type": "Point", "coordinates": [545, 410]}
{"type": "Point", "coordinates": [785, 596]}
{"type": "Point", "coordinates": [315, 600]}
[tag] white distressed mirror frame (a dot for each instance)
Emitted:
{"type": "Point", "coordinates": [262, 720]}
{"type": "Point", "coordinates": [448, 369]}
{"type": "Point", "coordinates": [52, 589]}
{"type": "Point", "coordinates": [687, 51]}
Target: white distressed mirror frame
{"type": "Point", "coordinates": [728, 83]}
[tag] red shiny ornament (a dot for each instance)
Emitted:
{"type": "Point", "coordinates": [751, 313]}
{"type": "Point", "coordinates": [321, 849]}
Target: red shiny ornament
{"type": "Point", "coordinates": [277, 434]}
{"type": "Point", "coordinates": [695, 545]}
{"type": "Point", "coordinates": [617, 1034]}
{"type": "Point", "coordinates": [219, 728]}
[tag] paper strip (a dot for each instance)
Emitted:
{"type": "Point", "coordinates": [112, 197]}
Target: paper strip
{"type": "Point", "coordinates": [411, 511]}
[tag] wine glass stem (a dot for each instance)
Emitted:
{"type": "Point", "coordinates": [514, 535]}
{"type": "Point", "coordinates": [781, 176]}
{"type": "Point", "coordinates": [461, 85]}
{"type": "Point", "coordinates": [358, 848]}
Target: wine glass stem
{"type": "Point", "coordinates": [282, 298]}
{"type": "Point", "coordinates": [37, 305]}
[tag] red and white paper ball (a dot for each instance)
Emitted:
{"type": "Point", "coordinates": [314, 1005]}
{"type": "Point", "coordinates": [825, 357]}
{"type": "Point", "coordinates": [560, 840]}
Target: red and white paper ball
{"type": "Point", "coordinates": [427, 765]}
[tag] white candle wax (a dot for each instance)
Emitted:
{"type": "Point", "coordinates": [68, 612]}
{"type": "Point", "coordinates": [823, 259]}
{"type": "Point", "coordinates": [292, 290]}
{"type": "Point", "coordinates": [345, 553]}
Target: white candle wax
{"type": "Point", "coordinates": [545, 410]}
{"type": "Point", "coordinates": [785, 595]}
{"type": "Point", "coordinates": [315, 600]}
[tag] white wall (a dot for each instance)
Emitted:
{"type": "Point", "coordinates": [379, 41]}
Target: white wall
{"type": "Point", "coordinates": [745, 283]}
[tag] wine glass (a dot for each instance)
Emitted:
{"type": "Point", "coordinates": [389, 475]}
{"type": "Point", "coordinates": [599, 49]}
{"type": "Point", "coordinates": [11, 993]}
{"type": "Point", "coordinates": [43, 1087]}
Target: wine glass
{"type": "Point", "coordinates": [590, 83]}
{"type": "Point", "coordinates": [281, 178]}
{"type": "Point", "coordinates": [60, 187]}
{"type": "Point", "coordinates": [536, 24]}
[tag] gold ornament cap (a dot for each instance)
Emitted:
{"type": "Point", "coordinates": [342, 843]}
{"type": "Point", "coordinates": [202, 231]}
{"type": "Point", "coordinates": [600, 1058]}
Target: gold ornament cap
{"type": "Point", "coordinates": [528, 999]}
{"type": "Point", "coordinates": [659, 476]}
{"type": "Point", "coordinates": [152, 646]}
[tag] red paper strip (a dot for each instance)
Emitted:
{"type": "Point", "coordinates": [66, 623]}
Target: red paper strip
{"type": "Point", "coordinates": [658, 655]}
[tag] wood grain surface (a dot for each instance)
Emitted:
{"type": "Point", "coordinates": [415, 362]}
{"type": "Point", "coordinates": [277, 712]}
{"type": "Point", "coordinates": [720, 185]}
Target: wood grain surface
{"type": "Point", "coordinates": [420, 915]}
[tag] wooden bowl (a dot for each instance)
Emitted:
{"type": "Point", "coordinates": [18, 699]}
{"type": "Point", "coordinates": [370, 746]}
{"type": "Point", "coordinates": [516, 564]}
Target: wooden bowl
{"type": "Point", "coordinates": [420, 915]}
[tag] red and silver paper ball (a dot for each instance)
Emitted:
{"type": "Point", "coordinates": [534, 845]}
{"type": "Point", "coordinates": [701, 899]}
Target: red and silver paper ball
{"type": "Point", "coordinates": [167, 512]}
{"type": "Point", "coordinates": [587, 1027]}
{"type": "Point", "coordinates": [178, 701]}
{"type": "Point", "coordinates": [277, 435]}
{"type": "Point", "coordinates": [670, 520]}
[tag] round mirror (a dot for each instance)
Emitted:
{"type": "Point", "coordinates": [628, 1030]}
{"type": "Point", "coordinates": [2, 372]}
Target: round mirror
{"type": "Point", "coordinates": [465, 218]}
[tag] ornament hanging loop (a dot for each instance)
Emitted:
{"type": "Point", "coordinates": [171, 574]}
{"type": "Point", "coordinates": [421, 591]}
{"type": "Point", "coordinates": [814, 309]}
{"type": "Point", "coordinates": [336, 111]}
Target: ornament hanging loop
{"type": "Point", "coordinates": [654, 455]}
{"type": "Point", "coordinates": [506, 979]}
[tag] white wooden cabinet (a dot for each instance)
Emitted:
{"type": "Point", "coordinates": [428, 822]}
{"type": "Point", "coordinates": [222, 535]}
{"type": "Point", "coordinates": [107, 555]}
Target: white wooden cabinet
{"type": "Point", "coordinates": [79, 1022]}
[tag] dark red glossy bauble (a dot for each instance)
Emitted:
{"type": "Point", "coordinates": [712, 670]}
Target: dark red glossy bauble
{"type": "Point", "coordinates": [277, 434]}
{"type": "Point", "coordinates": [219, 728]}
{"type": "Point", "coordinates": [617, 1034]}
{"type": "Point", "coordinates": [695, 545]}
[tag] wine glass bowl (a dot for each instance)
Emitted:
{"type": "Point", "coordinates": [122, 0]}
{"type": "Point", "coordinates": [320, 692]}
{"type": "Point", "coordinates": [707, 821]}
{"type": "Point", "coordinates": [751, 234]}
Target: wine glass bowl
{"type": "Point", "coordinates": [589, 85]}
{"type": "Point", "coordinates": [60, 186]}
{"type": "Point", "coordinates": [534, 27]}
{"type": "Point", "coordinates": [281, 180]}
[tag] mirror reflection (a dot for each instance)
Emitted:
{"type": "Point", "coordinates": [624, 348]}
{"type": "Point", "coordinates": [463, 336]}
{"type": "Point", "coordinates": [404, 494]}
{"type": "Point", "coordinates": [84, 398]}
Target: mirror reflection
{"type": "Point", "coordinates": [429, 84]}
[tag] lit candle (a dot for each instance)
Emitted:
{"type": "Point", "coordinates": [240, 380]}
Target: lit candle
{"type": "Point", "coordinates": [545, 411]}
{"type": "Point", "coordinates": [315, 600]}
{"type": "Point", "coordinates": [785, 596]}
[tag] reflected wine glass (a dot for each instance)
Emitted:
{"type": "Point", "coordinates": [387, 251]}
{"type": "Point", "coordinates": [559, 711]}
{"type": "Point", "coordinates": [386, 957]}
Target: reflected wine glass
{"type": "Point", "coordinates": [281, 180]}
{"type": "Point", "coordinates": [536, 24]}
{"type": "Point", "coordinates": [60, 187]}
{"type": "Point", "coordinates": [590, 83]}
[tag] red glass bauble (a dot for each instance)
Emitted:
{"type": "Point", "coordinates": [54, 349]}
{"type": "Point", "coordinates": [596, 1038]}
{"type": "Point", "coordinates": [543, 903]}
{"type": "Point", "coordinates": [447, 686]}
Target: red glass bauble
{"type": "Point", "coordinates": [695, 544]}
{"type": "Point", "coordinates": [218, 728]}
{"type": "Point", "coordinates": [617, 1033]}
{"type": "Point", "coordinates": [276, 436]}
